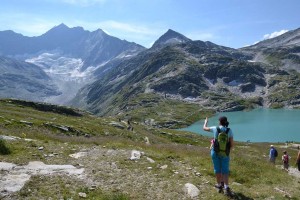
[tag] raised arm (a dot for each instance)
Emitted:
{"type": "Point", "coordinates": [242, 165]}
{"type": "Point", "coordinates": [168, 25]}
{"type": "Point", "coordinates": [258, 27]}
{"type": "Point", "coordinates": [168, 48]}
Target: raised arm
{"type": "Point", "coordinates": [205, 125]}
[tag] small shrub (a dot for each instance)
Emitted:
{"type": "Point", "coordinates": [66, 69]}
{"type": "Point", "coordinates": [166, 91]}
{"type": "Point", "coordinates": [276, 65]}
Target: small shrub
{"type": "Point", "coordinates": [32, 144]}
{"type": "Point", "coordinates": [276, 105]}
{"type": "Point", "coordinates": [4, 149]}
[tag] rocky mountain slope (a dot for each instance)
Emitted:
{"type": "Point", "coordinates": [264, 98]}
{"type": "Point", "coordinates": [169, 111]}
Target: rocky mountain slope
{"type": "Point", "coordinates": [24, 80]}
{"type": "Point", "coordinates": [282, 56]}
{"type": "Point", "coordinates": [68, 55]}
{"type": "Point", "coordinates": [200, 74]}
{"type": "Point", "coordinates": [282, 52]}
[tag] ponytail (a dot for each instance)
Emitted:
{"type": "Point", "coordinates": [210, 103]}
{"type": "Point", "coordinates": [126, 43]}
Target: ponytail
{"type": "Point", "coordinates": [223, 121]}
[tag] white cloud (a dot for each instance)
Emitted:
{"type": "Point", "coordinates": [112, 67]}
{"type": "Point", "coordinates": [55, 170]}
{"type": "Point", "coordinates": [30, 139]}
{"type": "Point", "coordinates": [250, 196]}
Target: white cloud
{"type": "Point", "coordinates": [270, 36]}
{"type": "Point", "coordinates": [139, 33]}
{"type": "Point", "coordinates": [274, 34]}
{"type": "Point", "coordinates": [84, 3]}
{"type": "Point", "coordinates": [129, 28]}
{"type": "Point", "coordinates": [33, 27]}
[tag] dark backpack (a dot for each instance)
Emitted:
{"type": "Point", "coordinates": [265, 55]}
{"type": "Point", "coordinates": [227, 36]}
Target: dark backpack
{"type": "Point", "coordinates": [275, 153]}
{"type": "Point", "coordinates": [286, 159]}
{"type": "Point", "coordinates": [222, 143]}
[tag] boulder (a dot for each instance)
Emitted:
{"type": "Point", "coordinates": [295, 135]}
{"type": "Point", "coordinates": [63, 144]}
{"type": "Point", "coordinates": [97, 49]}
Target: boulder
{"type": "Point", "coordinates": [136, 155]}
{"type": "Point", "coordinates": [191, 190]}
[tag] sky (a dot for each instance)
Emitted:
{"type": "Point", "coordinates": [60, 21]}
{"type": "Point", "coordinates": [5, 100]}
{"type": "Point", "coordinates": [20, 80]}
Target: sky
{"type": "Point", "coordinates": [232, 23]}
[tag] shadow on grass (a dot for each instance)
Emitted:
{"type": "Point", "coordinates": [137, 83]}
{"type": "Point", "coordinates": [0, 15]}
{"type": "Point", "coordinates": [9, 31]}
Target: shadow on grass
{"type": "Point", "coordinates": [241, 196]}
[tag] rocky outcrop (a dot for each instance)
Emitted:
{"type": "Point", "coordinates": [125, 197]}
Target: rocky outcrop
{"type": "Point", "coordinates": [14, 177]}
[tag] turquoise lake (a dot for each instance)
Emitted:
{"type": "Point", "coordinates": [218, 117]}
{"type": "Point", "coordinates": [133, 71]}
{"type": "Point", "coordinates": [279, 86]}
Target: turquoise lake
{"type": "Point", "coordinates": [259, 125]}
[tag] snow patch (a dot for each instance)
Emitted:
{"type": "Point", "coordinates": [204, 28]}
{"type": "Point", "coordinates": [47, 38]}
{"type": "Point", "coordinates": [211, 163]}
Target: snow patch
{"type": "Point", "coordinates": [66, 74]}
{"type": "Point", "coordinates": [233, 83]}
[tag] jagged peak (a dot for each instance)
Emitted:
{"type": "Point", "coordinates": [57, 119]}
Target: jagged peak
{"type": "Point", "coordinates": [61, 26]}
{"type": "Point", "coordinates": [171, 37]}
{"type": "Point", "coordinates": [100, 31]}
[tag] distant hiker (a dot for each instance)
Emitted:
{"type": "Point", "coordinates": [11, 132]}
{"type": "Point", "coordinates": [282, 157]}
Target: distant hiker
{"type": "Point", "coordinates": [298, 161]}
{"type": "Point", "coordinates": [221, 145]}
{"type": "Point", "coordinates": [285, 161]}
{"type": "Point", "coordinates": [273, 154]}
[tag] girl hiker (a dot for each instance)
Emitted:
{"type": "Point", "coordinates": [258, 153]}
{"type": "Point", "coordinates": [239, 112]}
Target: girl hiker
{"type": "Point", "coordinates": [221, 145]}
{"type": "Point", "coordinates": [285, 161]}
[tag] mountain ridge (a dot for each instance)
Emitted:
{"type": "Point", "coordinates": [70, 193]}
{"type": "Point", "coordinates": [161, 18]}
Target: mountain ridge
{"type": "Point", "coordinates": [68, 40]}
{"type": "Point", "coordinates": [194, 72]}
{"type": "Point", "coordinates": [283, 40]}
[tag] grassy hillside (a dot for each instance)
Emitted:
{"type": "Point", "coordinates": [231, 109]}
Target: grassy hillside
{"type": "Point", "coordinates": [179, 158]}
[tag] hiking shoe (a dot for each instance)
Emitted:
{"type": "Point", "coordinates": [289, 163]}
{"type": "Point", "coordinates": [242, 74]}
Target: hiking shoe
{"type": "Point", "coordinates": [219, 188]}
{"type": "Point", "coordinates": [228, 192]}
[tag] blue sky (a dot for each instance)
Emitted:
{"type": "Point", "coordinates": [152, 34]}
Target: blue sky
{"type": "Point", "coordinates": [232, 23]}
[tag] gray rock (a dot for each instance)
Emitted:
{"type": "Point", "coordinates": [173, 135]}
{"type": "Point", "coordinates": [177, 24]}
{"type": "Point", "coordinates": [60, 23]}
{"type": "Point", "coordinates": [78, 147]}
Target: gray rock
{"type": "Point", "coordinates": [82, 195]}
{"type": "Point", "coordinates": [150, 160]}
{"type": "Point", "coordinates": [135, 155]}
{"type": "Point", "coordinates": [147, 141]}
{"type": "Point", "coordinates": [191, 190]}
{"type": "Point", "coordinates": [198, 174]}
{"type": "Point", "coordinates": [41, 148]}
{"type": "Point", "coordinates": [117, 125]}
{"type": "Point", "coordinates": [26, 122]}
{"type": "Point", "coordinates": [164, 167]}
{"type": "Point", "coordinates": [4, 137]}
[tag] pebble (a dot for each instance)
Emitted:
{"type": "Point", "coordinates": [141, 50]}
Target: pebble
{"type": "Point", "coordinates": [40, 148]}
{"type": "Point", "coordinates": [198, 174]}
{"type": "Point", "coordinates": [164, 167]}
{"type": "Point", "coordinates": [150, 160]}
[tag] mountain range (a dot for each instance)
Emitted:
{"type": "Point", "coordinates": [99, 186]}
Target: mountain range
{"type": "Point", "coordinates": [68, 55]}
{"type": "Point", "coordinates": [119, 77]}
